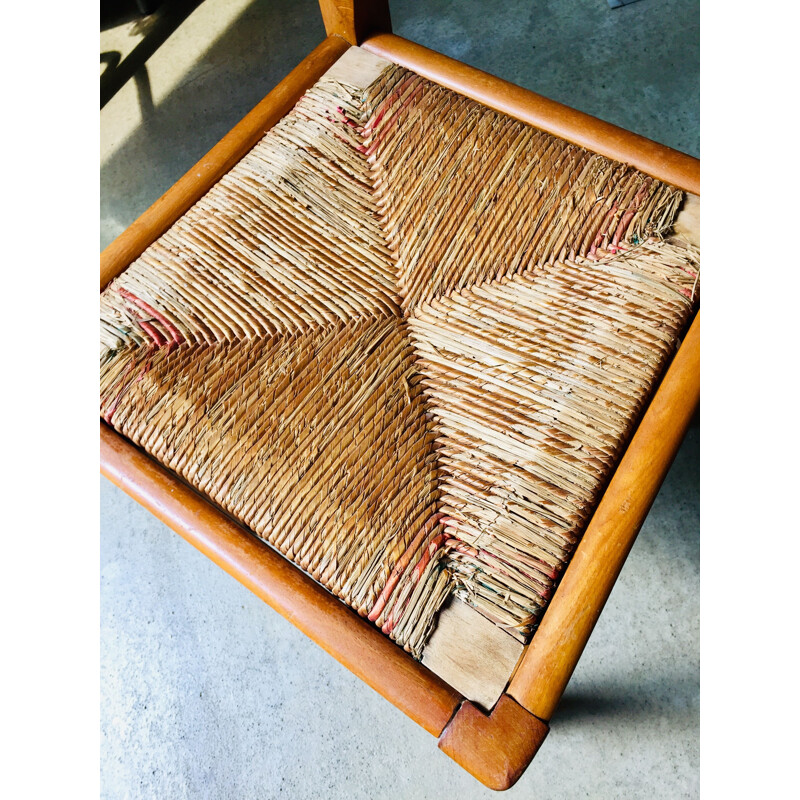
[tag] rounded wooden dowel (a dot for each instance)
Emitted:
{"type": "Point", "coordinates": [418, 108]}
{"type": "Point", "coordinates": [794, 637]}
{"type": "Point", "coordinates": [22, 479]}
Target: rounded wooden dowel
{"type": "Point", "coordinates": [133, 241]}
{"type": "Point", "coordinates": [656, 159]}
{"type": "Point", "coordinates": [553, 653]}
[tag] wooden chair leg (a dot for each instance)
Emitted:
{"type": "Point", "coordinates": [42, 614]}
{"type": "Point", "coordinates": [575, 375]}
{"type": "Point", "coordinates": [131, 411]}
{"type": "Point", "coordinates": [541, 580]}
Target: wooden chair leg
{"type": "Point", "coordinates": [354, 21]}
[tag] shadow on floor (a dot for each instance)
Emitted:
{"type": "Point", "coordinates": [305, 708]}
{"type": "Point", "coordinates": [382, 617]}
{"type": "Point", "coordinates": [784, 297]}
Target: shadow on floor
{"type": "Point", "coordinates": [118, 12]}
{"type": "Point", "coordinates": [672, 695]}
{"type": "Point", "coordinates": [260, 48]}
{"type": "Point", "coordinates": [158, 28]}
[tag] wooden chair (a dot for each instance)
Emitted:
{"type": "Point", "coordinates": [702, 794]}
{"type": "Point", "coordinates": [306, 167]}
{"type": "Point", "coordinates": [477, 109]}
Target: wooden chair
{"type": "Point", "coordinates": [494, 738]}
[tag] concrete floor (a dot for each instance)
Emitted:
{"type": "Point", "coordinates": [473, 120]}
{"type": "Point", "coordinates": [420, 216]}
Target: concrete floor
{"type": "Point", "coordinates": [207, 693]}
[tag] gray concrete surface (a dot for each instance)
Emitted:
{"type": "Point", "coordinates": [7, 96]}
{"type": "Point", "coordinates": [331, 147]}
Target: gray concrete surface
{"type": "Point", "coordinates": [207, 693]}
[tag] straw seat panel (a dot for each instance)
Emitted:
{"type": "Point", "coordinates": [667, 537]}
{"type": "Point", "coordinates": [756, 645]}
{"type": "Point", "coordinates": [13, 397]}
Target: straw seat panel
{"type": "Point", "coordinates": [404, 340]}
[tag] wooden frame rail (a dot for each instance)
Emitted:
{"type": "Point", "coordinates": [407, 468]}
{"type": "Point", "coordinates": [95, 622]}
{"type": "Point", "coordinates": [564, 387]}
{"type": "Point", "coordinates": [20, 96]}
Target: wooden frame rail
{"type": "Point", "coordinates": [553, 652]}
{"type": "Point", "coordinates": [496, 747]}
{"type": "Point", "coordinates": [351, 640]}
{"type": "Point", "coordinates": [609, 140]}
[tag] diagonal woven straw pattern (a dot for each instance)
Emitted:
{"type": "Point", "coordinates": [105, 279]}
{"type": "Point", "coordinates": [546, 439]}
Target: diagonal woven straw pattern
{"type": "Point", "coordinates": [404, 341]}
{"type": "Point", "coordinates": [534, 383]}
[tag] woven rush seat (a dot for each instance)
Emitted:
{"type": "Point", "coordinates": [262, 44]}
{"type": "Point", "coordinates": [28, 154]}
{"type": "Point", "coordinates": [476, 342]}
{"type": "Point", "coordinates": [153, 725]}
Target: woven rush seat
{"type": "Point", "coordinates": [404, 341]}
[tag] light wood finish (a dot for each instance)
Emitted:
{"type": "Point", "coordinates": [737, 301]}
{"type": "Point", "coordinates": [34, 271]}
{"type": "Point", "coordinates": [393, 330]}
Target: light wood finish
{"type": "Point", "coordinates": [655, 159]}
{"type": "Point", "coordinates": [497, 748]}
{"type": "Point", "coordinates": [131, 243]}
{"type": "Point", "coordinates": [472, 654]}
{"type": "Point", "coordinates": [354, 21]}
{"type": "Point", "coordinates": [687, 223]}
{"type": "Point", "coordinates": [351, 640]}
{"type": "Point", "coordinates": [556, 647]}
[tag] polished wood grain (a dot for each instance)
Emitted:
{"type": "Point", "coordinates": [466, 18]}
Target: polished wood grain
{"type": "Point", "coordinates": [655, 159]}
{"type": "Point", "coordinates": [553, 653]}
{"type": "Point", "coordinates": [356, 19]}
{"type": "Point", "coordinates": [351, 640]}
{"type": "Point", "coordinates": [496, 748]}
{"type": "Point", "coordinates": [132, 242]}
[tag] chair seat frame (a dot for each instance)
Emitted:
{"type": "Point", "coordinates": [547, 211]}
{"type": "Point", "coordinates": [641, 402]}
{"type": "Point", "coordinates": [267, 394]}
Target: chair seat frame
{"type": "Point", "coordinates": [496, 747]}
